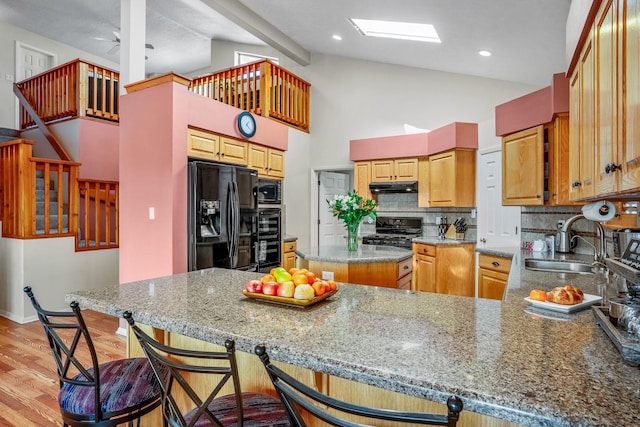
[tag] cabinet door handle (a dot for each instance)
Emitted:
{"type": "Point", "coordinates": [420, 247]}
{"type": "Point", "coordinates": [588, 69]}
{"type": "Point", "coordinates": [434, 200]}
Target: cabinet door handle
{"type": "Point", "coordinates": [575, 184]}
{"type": "Point", "coordinates": [495, 264]}
{"type": "Point", "coordinates": [612, 167]}
{"type": "Point", "coordinates": [538, 196]}
{"type": "Point", "coordinates": [483, 240]}
{"type": "Point", "coordinates": [406, 267]}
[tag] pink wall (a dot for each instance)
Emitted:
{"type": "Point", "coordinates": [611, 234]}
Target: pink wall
{"type": "Point", "coordinates": [153, 171]}
{"type": "Point", "coordinates": [533, 109]}
{"type": "Point", "coordinates": [98, 149]}
{"type": "Point", "coordinates": [454, 135]}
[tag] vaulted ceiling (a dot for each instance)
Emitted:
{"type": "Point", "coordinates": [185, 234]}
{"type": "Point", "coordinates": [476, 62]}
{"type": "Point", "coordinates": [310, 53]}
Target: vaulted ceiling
{"type": "Point", "coordinates": [526, 37]}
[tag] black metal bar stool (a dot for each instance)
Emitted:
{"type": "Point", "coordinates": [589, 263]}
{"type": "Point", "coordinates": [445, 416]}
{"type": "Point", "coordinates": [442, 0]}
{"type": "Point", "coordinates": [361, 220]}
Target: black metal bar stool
{"type": "Point", "coordinates": [93, 394]}
{"type": "Point", "coordinates": [297, 396]}
{"type": "Point", "coordinates": [238, 409]}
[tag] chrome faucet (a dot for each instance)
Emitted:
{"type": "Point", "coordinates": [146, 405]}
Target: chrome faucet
{"type": "Point", "coordinates": [564, 243]}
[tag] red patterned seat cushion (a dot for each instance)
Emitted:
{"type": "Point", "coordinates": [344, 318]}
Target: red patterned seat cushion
{"type": "Point", "coordinates": [123, 383]}
{"type": "Point", "coordinates": [260, 410]}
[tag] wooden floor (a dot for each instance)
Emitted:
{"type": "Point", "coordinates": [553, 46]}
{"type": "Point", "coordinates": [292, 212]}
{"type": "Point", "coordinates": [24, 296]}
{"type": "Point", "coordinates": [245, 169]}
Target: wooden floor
{"type": "Point", "coordinates": [28, 381]}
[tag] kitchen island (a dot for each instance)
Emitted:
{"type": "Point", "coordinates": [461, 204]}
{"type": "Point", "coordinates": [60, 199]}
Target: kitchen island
{"type": "Point", "coordinates": [507, 361]}
{"type": "Point", "coordinates": [379, 265]}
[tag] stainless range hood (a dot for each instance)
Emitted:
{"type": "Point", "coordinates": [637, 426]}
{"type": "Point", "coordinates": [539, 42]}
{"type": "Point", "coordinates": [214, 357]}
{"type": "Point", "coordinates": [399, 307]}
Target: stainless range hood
{"type": "Point", "coordinates": [394, 187]}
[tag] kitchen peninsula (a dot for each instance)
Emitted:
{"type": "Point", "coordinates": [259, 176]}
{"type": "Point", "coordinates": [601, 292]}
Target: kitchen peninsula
{"type": "Point", "coordinates": [507, 361]}
{"type": "Point", "coordinates": [378, 265]}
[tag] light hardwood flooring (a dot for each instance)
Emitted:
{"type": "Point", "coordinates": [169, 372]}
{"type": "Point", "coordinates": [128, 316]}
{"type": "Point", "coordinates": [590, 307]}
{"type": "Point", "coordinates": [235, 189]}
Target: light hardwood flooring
{"type": "Point", "coordinates": [28, 381]}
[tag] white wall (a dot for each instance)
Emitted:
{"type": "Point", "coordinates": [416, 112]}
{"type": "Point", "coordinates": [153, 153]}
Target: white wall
{"type": "Point", "coordinates": [8, 37]}
{"type": "Point", "coordinates": [53, 269]}
{"type": "Point", "coordinates": [578, 12]}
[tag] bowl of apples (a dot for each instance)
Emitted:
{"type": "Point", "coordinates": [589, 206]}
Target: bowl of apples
{"type": "Point", "coordinates": [296, 287]}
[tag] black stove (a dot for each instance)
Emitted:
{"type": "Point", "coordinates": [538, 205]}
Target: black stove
{"type": "Point", "coordinates": [395, 231]}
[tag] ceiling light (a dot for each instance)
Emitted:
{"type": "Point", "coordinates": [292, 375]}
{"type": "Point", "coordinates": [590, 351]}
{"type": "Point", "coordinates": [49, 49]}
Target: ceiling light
{"type": "Point", "coordinates": [396, 30]}
{"type": "Point", "coordinates": [337, 37]}
{"type": "Point", "coordinates": [484, 53]}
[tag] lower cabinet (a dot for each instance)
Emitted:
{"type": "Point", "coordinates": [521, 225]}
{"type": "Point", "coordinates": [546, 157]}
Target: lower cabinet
{"type": "Point", "coordinates": [493, 274]}
{"type": "Point", "coordinates": [446, 268]}
{"type": "Point", "coordinates": [386, 274]}
{"type": "Point", "coordinates": [289, 257]}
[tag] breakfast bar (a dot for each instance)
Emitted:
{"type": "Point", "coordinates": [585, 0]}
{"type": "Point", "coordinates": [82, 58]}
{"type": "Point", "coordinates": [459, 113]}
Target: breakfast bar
{"type": "Point", "coordinates": [509, 362]}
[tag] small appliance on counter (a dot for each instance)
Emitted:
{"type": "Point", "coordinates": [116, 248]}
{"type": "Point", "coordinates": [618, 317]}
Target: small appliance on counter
{"type": "Point", "coordinates": [621, 319]}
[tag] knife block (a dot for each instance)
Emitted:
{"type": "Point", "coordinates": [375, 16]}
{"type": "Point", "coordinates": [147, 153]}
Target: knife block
{"type": "Point", "coordinates": [452, 234]}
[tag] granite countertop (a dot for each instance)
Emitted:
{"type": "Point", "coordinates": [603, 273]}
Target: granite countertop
{"type": "Point", "coordinates": [433, 240]}
{"type": "Point", "coordinates": [364, 255]}
{"type": "Point", "coordinates": [503, 358]}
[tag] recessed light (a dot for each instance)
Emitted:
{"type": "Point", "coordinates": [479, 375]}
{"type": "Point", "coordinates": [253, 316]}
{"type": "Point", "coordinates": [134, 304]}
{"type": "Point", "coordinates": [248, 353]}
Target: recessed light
{"type": "Point", "coordinates": [396, 30]}
{"type": "Point", "coordinates": [484, 53]}
{"type": "Point", "coordinates": [336, 37]}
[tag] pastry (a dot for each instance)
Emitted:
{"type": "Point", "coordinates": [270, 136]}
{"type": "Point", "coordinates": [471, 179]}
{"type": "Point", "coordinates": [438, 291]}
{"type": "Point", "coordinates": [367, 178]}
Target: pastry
{"type": "Point", "coordinates": [565, 295]}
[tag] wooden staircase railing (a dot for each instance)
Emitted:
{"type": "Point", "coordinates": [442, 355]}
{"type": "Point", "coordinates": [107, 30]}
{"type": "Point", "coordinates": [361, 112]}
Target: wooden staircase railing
{"type": "Point", "coordinates": [44, 198]}
{"type": "Point", "coordinates": [98, 223]}
{"type": "Point", "coordinates": [74, 89]}
{"type": "Point", "coordinates": [262, 87]}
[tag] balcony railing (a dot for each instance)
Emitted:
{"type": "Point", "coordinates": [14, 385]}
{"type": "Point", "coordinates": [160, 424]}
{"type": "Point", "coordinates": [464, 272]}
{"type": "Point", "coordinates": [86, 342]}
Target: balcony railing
{"type": "Point", "coordinates": [71, 90]}
{"type": "Point", "coordinates": [264, 88]}
{"type": "Point", "coordinates": [98, 214]}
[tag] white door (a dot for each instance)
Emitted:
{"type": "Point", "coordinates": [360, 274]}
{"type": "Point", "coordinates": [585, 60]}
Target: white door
{"type": "Point", "coordinates": [497, 225]}
{"type": "Point", "coordinates": [31, 61]}
{"type": "Point", "coordinates": [331, 230]}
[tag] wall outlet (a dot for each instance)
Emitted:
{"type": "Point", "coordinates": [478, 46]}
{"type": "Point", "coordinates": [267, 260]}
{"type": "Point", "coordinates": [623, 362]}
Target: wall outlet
{"type": "Point", "coordinates": [152, 213]}
{"type": "Point", "coordinates": [327, 275]}
{"type": "Point", "coordinates": [560, 223]}
{"type": "Point", "coordinates": [473, 213]}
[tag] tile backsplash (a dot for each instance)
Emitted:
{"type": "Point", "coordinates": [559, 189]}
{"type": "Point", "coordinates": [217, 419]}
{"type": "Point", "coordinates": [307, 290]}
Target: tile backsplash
{"type": "Point", "coordinates": [406, 205]}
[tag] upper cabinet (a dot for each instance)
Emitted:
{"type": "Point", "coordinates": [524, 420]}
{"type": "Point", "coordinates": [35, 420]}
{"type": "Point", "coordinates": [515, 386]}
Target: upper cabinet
{"type": "Point", "coordinates": [362, 178]}
{"type": "Point", "coordinates": [534, 160]}
{"type": "Point", "coordinates": [210, 146]}
{"type": "Point", "coordinates": [451, 179]}
{"type": "Point", "coordinates": [269, 162]}
{"type": "Point", "coordinates": [387, 170]}
{"type": "Point", "coordinates": [605, 92]}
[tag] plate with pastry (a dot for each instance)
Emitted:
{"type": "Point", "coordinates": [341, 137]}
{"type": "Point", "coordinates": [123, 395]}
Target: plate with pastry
{"type": "Point", "coordinates": [565, 299]}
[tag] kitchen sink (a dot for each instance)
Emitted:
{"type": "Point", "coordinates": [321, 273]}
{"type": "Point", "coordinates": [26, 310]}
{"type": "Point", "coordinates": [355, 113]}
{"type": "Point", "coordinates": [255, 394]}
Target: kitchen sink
{"type": "Point", "coordinates": [558, 266]}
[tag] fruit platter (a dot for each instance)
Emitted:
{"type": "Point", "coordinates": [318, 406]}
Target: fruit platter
{"type": "Point", "coordinates": [296, 287]}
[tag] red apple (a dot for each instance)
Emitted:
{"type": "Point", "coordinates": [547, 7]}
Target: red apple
{"type": "Point", "coordinates": [254, 286]}
{"type": "Point", "coordinates": [270, 288]}
{"type": "Point", "coordinates": [286, 289]}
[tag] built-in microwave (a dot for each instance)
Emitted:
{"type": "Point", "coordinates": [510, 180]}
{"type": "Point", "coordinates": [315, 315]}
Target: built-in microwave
{"type": "Point", "coordinates": [269, 191]}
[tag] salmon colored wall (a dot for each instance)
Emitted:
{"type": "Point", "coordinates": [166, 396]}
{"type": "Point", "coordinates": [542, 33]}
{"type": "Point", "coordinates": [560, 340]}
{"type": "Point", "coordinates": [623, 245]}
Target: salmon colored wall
{"type": "Point", "coordinates": [153, 172]}
{"type": "Point", "coordinates": [98, 149]}
{"type": "Point", "coordinates": [454, 135]}
{"type": "Point", "coordinates": [533, 109]}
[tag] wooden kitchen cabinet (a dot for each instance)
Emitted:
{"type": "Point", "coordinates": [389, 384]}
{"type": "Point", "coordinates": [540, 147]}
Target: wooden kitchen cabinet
{"type": "Point", "coordinates": [445, 268]}
{"type": "Point", "coordinates": [604, 91]}
{"type": "Point", "coordinates": [210, 146]}
{"type": "Point", "coordinates": [362, 178]}
{"type": "Point", "coordinates": [289, 257]}
{"type": "Point", "coordinates": [387, 170]}
{"type": "Point", "coordinates": [386, 274]}
{"type": "Point", "coordinates": [493, 274]}
{"type": "Point", "coordinates": [582, 126]}
{"type": "Point", "coordinates": [269, 162]}
{"type": "Point", "coordinates": [534, 165]}
{"type": "Point", "coordinates": [451, 177]}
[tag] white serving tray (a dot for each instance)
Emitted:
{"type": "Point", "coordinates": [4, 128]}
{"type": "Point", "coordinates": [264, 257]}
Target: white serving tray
{"type": "Point", "coordinates": [587, 301]}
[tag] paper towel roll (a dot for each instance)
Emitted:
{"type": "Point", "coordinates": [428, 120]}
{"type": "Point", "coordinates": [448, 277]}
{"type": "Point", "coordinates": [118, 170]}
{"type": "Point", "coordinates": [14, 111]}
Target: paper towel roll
{"type": "Point", "coordinates": [602, 211]}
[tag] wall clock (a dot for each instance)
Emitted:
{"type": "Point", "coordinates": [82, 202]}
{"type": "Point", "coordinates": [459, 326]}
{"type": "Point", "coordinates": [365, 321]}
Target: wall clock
{"type": "Point", "coordinates": [247, 124]}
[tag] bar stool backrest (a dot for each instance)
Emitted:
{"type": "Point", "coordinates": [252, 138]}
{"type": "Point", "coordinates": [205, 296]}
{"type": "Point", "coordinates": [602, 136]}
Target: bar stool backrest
{"type": "Point", "coordinates": [296, 395]}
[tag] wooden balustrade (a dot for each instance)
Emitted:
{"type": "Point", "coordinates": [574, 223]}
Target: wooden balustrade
{"type": "Point", "coordinates": [98, 214]}
{"type": "Point", "coordinates": [45, 198]}
{"type": "Point", "coordinates": [71, 90]}
{"type": "Point", "coordinates": [263, 88]}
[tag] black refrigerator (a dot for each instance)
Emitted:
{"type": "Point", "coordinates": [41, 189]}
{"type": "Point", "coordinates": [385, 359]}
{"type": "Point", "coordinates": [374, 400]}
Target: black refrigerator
{"type": "Point", "coordinates": [222, 216]}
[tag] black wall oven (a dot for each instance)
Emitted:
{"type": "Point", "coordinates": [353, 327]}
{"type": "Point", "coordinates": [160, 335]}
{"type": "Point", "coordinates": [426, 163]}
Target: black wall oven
{"type": "Point", "coordinates": [268, 250]}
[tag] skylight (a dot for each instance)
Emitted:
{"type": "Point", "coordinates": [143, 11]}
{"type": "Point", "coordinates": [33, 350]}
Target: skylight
{"type": "Point", "coordinates": [396, 30]}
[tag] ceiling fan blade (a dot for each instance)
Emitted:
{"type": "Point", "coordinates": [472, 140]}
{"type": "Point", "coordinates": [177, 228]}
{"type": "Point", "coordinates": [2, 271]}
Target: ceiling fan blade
{"type": "Point", "coordinates": [116, 34]}
{"type": "Point", "coordinates": [114, 49]}
{"type": "Point", "coordinates": [149, 46]}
